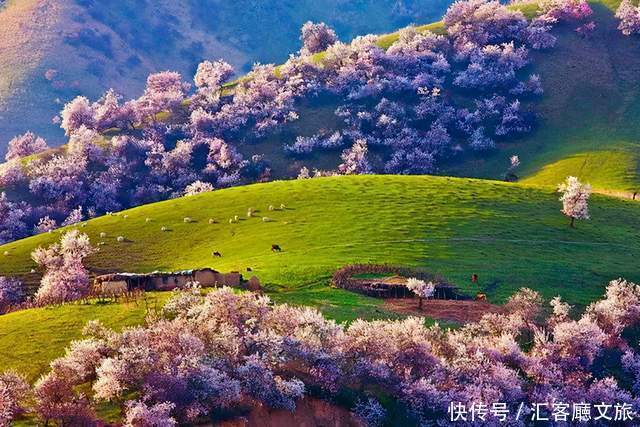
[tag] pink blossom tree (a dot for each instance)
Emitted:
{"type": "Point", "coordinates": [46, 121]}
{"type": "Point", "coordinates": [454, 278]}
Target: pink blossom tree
{"type": "Point", "coordinates": [14, 391]}
{"type": "Point", "coordinates": [140, 414]}
{"type": "Point", "coordinates": [629, 16]}
{"type": "Point", "coordinates": [197, 187]}
{"type": "Point", "coordinates": [45, 225]}
{"type": "Point", "coordinates": [165, 91]}
{"type": "Point", "coordinates": [76, 113]}
{"type": "Point", "coordinates": [354, 160]}
{"type": "Point", "coordinates": [65, 277]}
{"type": "Point", "coordinates": [421, 288]}
{"type": "Point", "coordinates": [575, 199]}
{"type": "Point", "coordinates": [25, 145]}
{"type": "Point", "coordinates": [316, 38]}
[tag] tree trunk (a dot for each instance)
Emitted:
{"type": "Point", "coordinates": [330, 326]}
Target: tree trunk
{"type": "Point", "coordinates": [573, 220]}
{"type": "Point", "coordinates": [420, 303]}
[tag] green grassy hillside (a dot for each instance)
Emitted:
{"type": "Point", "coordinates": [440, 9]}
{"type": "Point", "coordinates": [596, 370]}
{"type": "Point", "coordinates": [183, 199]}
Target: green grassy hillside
{"type": "Point", "coordinates": [588, 114]}
{"type": "Point", "coordinates": [511, 235]}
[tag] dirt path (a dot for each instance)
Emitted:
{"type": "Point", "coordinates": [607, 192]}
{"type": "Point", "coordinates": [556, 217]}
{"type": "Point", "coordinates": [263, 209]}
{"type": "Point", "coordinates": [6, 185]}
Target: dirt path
{"type": "Point", "coordinates": [452, 310]}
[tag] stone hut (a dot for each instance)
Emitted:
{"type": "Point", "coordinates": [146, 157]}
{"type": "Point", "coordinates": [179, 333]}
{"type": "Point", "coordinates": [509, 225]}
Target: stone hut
{"type": "Point", "coordinates": [166, 281]}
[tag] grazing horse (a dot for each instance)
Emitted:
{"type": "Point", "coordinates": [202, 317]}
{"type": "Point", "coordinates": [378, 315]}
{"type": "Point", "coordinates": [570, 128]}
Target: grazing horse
{"type": "Point", "coordinates": [276, 248]}
{"type": "Point", "coordinates": [217, 254]}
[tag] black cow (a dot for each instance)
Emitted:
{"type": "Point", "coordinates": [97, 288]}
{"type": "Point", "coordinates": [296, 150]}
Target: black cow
{"type": "Point", "coordinates": [217, 254]}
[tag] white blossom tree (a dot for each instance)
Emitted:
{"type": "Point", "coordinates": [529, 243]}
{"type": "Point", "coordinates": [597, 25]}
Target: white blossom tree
{"type": "Point", "coordinates": [421, 288]}
{"type": "Point", "coordinates": [575, 199]}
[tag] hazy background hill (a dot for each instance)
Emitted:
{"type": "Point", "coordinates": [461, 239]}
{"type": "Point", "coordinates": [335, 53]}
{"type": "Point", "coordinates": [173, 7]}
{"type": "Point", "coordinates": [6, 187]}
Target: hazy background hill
{"type": "Point", "coordinates": [52, 50]}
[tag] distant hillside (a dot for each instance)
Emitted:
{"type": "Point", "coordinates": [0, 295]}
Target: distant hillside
{"type": "Point", "coordinates": [589, 113]}
{"type": "Point", "coordinates": [53, 50]}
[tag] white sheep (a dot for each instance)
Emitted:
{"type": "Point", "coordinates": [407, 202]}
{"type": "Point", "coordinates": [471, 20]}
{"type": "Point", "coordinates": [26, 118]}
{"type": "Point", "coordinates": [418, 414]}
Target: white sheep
{"type": "Point", "coordinates": [147, 220]}
{"type": "Point", "coordinates": [282, 206]}
{"type": "Point", "coordinates": [163, 228]}
{"type": "Point", "coordinates": [212, 221]}
{"type": "Point", "coordinates": [236, 218]}
{"type": "Point", "coordinates": [266, 219]}
{"type": "Point", "coordinates": [120, 239]}
{"type": "Point", "coordinates": [231, 221]}
{"type": "Point", "coordinates": [6, 253]}
{"type": "Point", "coordinates": [103, 234]}
{"type": "Point", "coordinates": [249, 213]}
{"type": "Point", "coordinates": [84, 224]}
{"type": "Point", "coordinates": [125, 216]}
{"type": "Point", "coordinates": [187, 219]}
{"type": "Point", "coordinates": [33, 270]}
{"type": "Point", "coordinates": [271, 207]}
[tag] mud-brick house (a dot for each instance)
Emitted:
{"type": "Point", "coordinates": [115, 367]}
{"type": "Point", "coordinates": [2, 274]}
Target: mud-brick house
{"type": "Point", "coordinates": [165, 281]}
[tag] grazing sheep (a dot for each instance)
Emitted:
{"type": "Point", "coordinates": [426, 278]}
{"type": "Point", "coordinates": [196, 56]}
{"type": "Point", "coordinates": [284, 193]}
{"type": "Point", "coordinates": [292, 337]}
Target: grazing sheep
{"type": "Point", "coordinates": [212, 221]}
{"type": "Point", "coordinates": [217, 254]}
{"type": "Point", "coordinates": [276, 248]}
{"type": "Point", "coordinates": [163, 228]}
{"type": "Point", "coordinates": [282, 206]}
{"type": "Point", "coordinates": [6, 253]}
{"type": "Point", "coordinates": [187, 219]}
{"type": "Point", "coordinates": [266, 219]}
{"type": "Point", "coordinates": [120, 239]}
{"type": "Point", "coordinates": [33, 270]}
{"type": "Point", "coordinates": [249, 213]}
{"type": "Point", "coordinates": [271, 207]}
{"type": "Point", "coordinates": [147, 220]}
{"type": "Point", "coordinates": [125, 216]}
{"type": "Point", "coordinates": [230, 220]}
{"type": "Point", "coordinates": [103, 234]}
{"type": "Point", "coordinates": [102, 243]}
{"type": "Point", "coordinates": [236, 218]}
{"type": "Point", "coordinates": [84, 224]}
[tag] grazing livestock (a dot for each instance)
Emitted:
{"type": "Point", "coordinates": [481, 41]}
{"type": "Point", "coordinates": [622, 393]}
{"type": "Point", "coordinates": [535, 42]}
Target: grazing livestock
{"type": "Point", "coordinates": [217, 254]}
{"type": "Point", "coordinates": [276, 248]}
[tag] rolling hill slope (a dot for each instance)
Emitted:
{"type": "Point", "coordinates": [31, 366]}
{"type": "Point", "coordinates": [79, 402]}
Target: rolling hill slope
{"type": "Point", "coordinates": [449, 225]}
{"type": "Point", "coordinates": [511, 235]}
{"type": "Point", "coordinates": [53, 50]}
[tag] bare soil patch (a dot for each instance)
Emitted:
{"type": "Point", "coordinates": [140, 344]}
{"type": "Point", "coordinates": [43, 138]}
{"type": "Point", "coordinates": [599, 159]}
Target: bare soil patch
{"type": "Point", "coordinates": [461, 311]}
